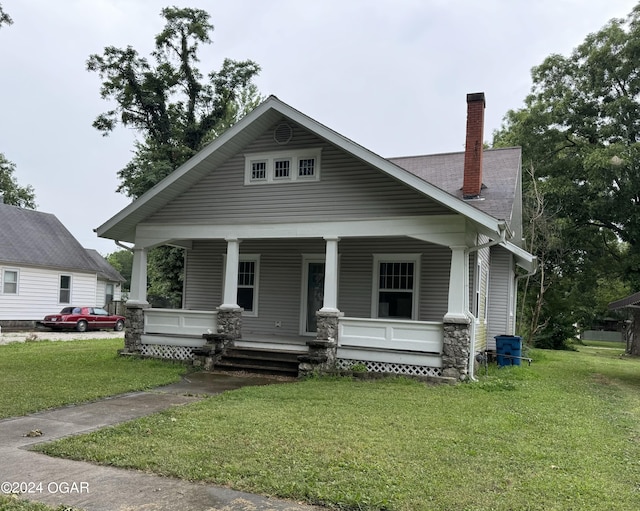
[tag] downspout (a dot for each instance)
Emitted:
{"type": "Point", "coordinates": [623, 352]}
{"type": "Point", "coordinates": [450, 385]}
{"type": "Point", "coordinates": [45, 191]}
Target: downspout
{"type": "Point", "coordinates": [504, 230]}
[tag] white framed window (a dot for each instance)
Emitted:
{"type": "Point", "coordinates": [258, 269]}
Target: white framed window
{"type": "Point", "coordinates": [396, 286]}
{"type": "Point", "coordinates": [248, 279]}
{"type": "Point", "coordinates": [10, 282]}
{"type": "Point", "coordinates": [65, 289]}
{"type": "Point", "coordinates": [282, 166]}
{"type": "Point", "coordinates": [258, 170]}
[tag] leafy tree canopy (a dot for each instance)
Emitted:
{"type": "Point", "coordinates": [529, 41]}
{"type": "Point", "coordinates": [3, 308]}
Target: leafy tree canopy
{"type": "Point", "coordinates": [12, 193]}
{"type": "Point", "coordinates": [580, 133]}
{"type": "Point", "coordinates": [580, 129]}
{"type": "Point", "coordinates": [168, 100]}
{"type": "Point", "coordinates": [176, 110]}
{"type": "Point", "coordinates": [122, 260]}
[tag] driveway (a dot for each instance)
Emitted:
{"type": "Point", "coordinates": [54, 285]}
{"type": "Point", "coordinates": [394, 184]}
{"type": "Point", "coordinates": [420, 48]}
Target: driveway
{"type": "Point", "coordinates": [49, 335]}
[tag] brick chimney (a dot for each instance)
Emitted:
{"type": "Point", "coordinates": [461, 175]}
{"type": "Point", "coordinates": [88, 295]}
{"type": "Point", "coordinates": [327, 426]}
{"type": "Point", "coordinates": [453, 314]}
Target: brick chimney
{"type": "Point", "coordinates": [472, 184]}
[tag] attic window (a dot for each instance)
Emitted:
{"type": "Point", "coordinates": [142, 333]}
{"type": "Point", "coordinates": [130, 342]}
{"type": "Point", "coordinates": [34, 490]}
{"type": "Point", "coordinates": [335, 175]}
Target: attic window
{"type": "Point", "coordinates": [282, 166]}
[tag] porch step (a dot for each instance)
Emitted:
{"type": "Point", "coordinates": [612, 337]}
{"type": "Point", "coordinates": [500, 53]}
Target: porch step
{"type": "Point", "coordinates": [260, 361]}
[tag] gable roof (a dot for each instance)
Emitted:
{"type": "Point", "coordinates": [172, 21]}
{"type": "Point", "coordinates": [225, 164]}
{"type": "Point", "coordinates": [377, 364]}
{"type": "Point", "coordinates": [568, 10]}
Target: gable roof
{"type": "Point", "coordinates": [33, 238]}
{"type": "Point", "coordinates": [122, 226]}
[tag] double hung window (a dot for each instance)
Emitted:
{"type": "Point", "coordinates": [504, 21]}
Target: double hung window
{"type": "Point", "coordinates": [396, 286]}
{"type": "Point", "coordinates": [10, 282]}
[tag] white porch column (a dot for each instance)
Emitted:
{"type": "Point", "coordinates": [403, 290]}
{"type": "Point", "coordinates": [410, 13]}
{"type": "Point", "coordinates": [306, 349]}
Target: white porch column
{"type": "Point", "coordinates": [230, 298]}
{"type": "Point", "coordinates": [138, 292]}
{"type": "Point", "coordinates": [458, 286]}
{"type": "Point", "coordinates": [330, 302]}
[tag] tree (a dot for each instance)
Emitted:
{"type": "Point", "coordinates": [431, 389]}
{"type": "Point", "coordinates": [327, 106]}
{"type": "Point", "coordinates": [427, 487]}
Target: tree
{"type": "Point", "coordinates": [580, 130]}
{"type": "Point", "coordinates": [5, 19]}
{"type": "Point", "coordinates": [12, 193]}
{"type": "Point", "coordinates": [176, 111]}
{"type": "Point", "coordinates": [170, 103]}
{"type": "Point", "coordinates": [122, 260]}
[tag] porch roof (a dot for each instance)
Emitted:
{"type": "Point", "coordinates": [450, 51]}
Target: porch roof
{"type": "Point", "coordinates": [122, 226]}
{"type": "Point", "coordinates": [631, 301]}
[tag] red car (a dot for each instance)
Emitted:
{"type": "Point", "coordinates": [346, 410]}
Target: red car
{"type": "Point", "coordinates": [83, 319]}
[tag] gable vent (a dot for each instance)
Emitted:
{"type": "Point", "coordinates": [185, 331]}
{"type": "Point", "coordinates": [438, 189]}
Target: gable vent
{"type": "Point", "coordinates": [283, 133]}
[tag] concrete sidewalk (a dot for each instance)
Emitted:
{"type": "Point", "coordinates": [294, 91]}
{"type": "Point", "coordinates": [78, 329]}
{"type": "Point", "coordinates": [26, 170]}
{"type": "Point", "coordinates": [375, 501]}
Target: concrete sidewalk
{"type": "Point", "coordinates": [91, 487]}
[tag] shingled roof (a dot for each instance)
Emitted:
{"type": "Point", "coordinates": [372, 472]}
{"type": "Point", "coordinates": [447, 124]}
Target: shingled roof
{"type": "Point", "coordinates": [33, 238]}
{"type": "Point", "coordinates": [500, 177]}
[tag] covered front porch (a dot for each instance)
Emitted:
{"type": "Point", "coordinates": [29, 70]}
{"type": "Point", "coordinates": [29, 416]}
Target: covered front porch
{"type": "Point", "coordinates": [388, 302]}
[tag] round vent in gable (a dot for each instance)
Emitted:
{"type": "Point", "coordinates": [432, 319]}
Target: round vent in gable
{"type": "Point", "coordinates": [283, 133]}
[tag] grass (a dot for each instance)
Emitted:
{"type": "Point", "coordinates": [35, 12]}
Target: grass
{"type": "Point", "coordinates": [13, 503]}
{"type": "Point", "coordinates": [563, 434]}
{"type": "Point", "coordinates": [44, 374]}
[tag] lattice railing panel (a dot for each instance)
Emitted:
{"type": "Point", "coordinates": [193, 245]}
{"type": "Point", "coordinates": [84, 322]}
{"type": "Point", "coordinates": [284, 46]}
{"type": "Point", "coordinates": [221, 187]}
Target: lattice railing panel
{"type": "Point", "coordinates": [169, 352]}
{"type": "Point", "coordinates": [386, 367]}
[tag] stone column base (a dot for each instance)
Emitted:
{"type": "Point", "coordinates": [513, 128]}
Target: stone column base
{"type": "Point", "coordinates": [455, 350]}
{"type": "Point", "coordinates": [323, 349]}
{"type": "Point", "coordinates": [134, 314]}
{"type": "Point", "coordinates": [230, 323]}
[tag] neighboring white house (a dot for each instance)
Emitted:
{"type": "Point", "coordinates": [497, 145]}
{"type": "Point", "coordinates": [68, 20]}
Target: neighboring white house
{"type": "Point", "coordinates": [298, 239]}
{"type": "Point", "coordinates": [44, 268]}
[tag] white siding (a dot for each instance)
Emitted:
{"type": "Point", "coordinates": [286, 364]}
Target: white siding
{"type": "Point", "coordinates": [38, 293]}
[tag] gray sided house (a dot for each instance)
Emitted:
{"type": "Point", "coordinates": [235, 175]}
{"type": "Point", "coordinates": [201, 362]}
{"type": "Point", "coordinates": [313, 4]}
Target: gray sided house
{"type": "Point", "coordinates": [43, 268]}
{"type": "Point", "coordinates": [299, 240]}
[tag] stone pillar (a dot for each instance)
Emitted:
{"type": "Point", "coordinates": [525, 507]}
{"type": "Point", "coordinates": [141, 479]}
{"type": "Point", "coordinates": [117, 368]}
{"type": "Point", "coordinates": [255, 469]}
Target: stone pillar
{"type": "Point", "coordinates": [134, 314]}
{"type": "Point", "coordinates": [455, 350]}
{"type": "Point", "coordinates": [323, 349]}
{"type": "Point", "coordinates": [230, 322]}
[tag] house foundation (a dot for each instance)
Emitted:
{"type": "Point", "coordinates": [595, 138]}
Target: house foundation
{"type": "Point", "coordinates": [456, 345]}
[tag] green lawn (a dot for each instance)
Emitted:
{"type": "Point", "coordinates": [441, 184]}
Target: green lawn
{"type": "Point", "coordinates": [12, 503]}
{"type": "Point", "coordinates": [44, 374]}
{"type": "Point", "coordinates": [563, 434]}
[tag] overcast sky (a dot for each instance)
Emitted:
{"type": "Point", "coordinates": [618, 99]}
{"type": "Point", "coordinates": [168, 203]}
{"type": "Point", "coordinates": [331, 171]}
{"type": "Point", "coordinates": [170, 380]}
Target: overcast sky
{"type": "Point", "coordinates": [392, 75]}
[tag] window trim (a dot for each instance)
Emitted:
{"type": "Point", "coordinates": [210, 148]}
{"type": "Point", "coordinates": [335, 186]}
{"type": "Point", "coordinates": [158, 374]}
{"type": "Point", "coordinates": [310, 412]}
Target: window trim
{"type": "Point", "coordinates": [255, 258]}
{"type": "Point", "coordinates": [60, 288]}
{"type": "Point", "coordinates": [294, 156]}
{"type": "Point", "coordinates": [414, 258]}
{"type": "Point", "coordinates": [3, 281]}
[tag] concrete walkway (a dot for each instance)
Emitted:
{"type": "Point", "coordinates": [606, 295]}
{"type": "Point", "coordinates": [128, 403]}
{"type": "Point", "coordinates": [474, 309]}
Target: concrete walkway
{"type": "Point", "coordinates": [91, 487]}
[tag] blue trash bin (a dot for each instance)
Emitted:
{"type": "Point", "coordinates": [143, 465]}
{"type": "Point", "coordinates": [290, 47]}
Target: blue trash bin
{"type": "Point", "coordinates": [508, 350]}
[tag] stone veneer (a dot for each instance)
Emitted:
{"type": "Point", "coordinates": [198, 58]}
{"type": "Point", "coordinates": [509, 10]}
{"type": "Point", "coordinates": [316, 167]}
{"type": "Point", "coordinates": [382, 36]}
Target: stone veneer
{"type": "Point", "coordinates": [455, 351]}
{"type": "Point", "coordinates": [230, 323]}
{"type": "Point", "coordinates": [134, 315]}
{"type": "Point", "coordinates": [323, 349]}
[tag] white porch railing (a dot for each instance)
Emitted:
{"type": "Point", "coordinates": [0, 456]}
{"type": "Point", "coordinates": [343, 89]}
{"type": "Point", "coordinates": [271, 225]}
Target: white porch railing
{"type": "Point", "coordinates": [392, 345]}
{"type": "Point", "coordinates": [181, 322]}
{"type": "Point", "coordinates": [421, 336]}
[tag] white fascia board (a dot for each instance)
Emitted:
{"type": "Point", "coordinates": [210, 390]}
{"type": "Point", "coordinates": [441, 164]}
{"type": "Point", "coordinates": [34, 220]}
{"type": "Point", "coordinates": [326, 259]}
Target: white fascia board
{"type": "Point", "coordinates": [445, 230]}
{"type": "Point", "coordinates": [523, 258]}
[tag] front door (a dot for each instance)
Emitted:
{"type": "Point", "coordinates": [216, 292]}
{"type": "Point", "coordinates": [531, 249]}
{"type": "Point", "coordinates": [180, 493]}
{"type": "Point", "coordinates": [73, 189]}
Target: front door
{"type": "Point", "coordinates": [313, 295]}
